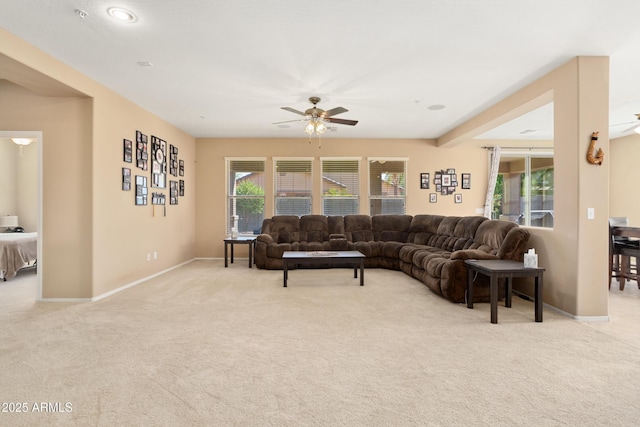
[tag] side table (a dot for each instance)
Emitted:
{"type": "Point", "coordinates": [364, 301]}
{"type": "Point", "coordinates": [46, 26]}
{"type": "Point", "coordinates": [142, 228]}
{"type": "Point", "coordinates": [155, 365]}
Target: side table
{"type": "Point", "coordinates": [497, 269]}
{"type": "Point", "coordinates": [240, 240]}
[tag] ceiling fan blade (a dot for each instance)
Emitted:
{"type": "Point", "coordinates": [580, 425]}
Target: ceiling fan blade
{"type": "Point", "coordinates": [289, 121]}
{"type": "Point", "coordinates": [631, 128]}
{"type": "Point", "coordinates": [334, 111]}
{"type": "Point", "coordinates": [341, 121]}
{"type": "Point", "coordinates": [293, 110]}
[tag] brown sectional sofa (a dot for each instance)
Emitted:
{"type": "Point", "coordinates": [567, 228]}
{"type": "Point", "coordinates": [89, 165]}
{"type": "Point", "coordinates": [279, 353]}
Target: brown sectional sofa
{"type": "Point", "coordinates": [430, 248]}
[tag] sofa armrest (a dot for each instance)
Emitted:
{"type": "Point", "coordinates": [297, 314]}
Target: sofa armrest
{"type": "Point", "coordinates": [472, 254]}
{"type": "Point", "coordinates": [265, 238]}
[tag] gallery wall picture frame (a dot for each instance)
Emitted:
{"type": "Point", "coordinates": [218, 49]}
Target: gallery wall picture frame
{"type": "Point", "coordinates": [158, 162]}
{"type": "Point", "coordinates": [181, 167]}
{"type": "Point", "coordinates": [126, 179]}
{"type": "Point", "coordinates": [173, 192]}
{"type": "Point", "coordinates": [433, 198]}
{"type": "Point", "coordinates": [458, 198]}
{"type": "Point", "coordinates": [181, 191]}
{"type": "Point", "coordinates": [141, 190]}
{"type": "Point", "coordinates": [127, 150]}
{"type": "Point", "coordinates": [424, 180]}
{"type": "Point", "coordinates": [466, 181]}
{"type": "Point", "coordinates": [142, 156]}
{"type": "Point", "coordinates": [446, 181]}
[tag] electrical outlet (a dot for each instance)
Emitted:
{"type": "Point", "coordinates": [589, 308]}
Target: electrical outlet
{"type": "Point", "coordinates": [591, 213]}
{"type": "Point", "coordinates": [148, 257]}
{"type": "Point", "coordinates": [155, 255]}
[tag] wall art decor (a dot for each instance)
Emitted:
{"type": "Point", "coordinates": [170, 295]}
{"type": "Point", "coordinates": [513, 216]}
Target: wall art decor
{"type": "Point", "coordinates": [126, 179]}
{"type": "Point", "coordinates": [458, 198]}
{"type": "Point", "coordinates": [433, 198]}
{"type": "Point", "coordinates": [446, 181]}
{"type": "Point", "coordinates": [141, 190]}
{"type": "Point", "coordinates": [173, 160]}
{"type": "Point", "coordinates": [158, 199]}
{"type": "Point", "coordinates": [466, 181]}
{"type": "Point", "coordinates": [158, 162]}
{"type": "Point", "coordinates": [173, 192]}
{"type": "Point", "coordinates": [128, 150]}
{"type": "Point", "coordinates": [424, 181]}
{"type": "Point", "coordinates": [182, 187]}
{"type": "Point", "coordinates": [142, 156]}
{"type": "Point", "coordinates": [181, 167]}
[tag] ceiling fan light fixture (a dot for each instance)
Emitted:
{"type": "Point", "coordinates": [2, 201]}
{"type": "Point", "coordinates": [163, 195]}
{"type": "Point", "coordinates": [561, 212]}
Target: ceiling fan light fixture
{"type": "Point", "coordinates": [22, 141]}
{"type": "Point", "coordinates": [310, 128]}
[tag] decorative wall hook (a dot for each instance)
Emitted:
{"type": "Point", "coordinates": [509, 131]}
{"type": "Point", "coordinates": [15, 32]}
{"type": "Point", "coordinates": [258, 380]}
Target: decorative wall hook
{"type": "Point", "coordinates": [599, 157]}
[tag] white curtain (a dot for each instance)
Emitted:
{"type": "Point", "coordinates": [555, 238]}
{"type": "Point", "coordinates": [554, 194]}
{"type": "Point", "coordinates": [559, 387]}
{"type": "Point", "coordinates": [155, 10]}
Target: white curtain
{"type": "Point", "coordinates": [493, 176]}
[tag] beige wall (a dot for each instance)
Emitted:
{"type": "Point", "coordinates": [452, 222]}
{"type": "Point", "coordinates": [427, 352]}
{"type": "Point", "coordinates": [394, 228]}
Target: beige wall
{"type": "Point", "coordinates": [422, 156]}
{"type": "Point", "coordinates": [94, 239]}
{"type": "Point", "coordinates": [624, 174]}
{"type": "Point", "coordinates": [575, 252]}
{"type": "Point", "coordinates": [108, 238]}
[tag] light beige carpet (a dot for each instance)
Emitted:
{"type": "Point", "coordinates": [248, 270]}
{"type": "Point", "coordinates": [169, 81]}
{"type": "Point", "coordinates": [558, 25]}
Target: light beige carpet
{"type": "Point", "coordinates": [207, 346]}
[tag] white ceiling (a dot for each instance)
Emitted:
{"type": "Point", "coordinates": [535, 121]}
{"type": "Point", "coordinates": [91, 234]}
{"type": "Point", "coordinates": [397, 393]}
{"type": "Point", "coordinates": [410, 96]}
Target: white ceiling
{"type": "Point", "coordinates": [223, 68]}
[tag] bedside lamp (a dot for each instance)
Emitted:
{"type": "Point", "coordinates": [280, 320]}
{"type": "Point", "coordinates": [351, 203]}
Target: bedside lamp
{"type": "Point", "coordinates": [9, 222]}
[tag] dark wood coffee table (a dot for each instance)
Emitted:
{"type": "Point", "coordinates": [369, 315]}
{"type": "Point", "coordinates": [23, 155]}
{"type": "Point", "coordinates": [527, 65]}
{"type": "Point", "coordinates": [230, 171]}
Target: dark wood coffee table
{"type": "Point", "coordinates": [331, 258]}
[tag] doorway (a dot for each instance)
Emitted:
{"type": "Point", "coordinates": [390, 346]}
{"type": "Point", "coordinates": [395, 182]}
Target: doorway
{"type": "Point", "coordinates": [31, 205]}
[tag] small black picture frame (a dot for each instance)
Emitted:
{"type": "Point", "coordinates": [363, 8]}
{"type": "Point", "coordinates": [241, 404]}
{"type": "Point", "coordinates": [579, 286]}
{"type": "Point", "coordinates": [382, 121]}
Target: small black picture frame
{"type": "Point", "coordinates": [126, 179]}
{"type": "Point", "coordinates": [424, 180]}
{"type": "Point", "coordinates": [127, 150]}
{"type": "Point", "coordinates": [466, 181]}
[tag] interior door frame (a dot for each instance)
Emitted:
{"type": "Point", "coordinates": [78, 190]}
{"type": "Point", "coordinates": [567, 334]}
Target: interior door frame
{"type": "Point", "coordinates": [38, 136]}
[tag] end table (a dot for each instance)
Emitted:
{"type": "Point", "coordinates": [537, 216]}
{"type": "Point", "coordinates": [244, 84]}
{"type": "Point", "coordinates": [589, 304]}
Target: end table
{"type": "Point", "coordinates": [240, 240]}
{"type": "Point", "coordinates": [497, 269]}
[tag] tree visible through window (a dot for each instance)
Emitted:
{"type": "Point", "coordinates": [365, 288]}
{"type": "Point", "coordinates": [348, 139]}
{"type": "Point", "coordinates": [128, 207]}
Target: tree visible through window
{"type": "Point", "coordinates": [524, 190]}
{"type": "Point", "coordinates": [245, 198]}
{"type": "Point", "coordinates": [387, 186]}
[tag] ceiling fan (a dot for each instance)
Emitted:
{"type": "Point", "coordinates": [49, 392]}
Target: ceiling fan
{"type": "Point", "coordinates": [317, 117]}
{"type": "Point", "coordinates": [635, 127]}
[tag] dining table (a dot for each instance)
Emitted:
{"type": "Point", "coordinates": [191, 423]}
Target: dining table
{"type": "Point", "coordinates": [630, 232]}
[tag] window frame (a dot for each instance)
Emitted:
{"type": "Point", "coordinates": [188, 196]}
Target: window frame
{"type": "Point", "coordinates": [527, 154]}
{"type": "Point", "coordinates": [275, 196]}
{"type": "Point", "coordinates": [357, 197]}
{"type": "Point", "coordinates": [371, 197]}
{"type": "Point", "coordinates": [231, 197]}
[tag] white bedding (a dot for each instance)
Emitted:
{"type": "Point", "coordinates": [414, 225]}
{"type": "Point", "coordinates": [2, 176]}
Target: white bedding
{"type": "Point", "coordinates": [17, 250]}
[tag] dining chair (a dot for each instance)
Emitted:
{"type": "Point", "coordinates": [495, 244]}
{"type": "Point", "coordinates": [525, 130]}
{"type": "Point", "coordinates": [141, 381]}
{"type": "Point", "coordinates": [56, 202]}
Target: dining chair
{"type": "Point", "coordinates": [622, 250]}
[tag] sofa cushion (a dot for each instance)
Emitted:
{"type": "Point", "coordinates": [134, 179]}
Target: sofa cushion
{"type": "Point", "coordinates": [391, 227]}
{"type": "Point", "coordinates": [357, 228]}
{"type": "Point", "coordinates": [490, 235]}
{"type": "Point", "coordinates": [314, 228]}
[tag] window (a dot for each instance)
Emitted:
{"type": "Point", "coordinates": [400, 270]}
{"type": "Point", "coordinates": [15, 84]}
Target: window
{"type": "Point", "coordinates": [387, 185]}
{"type": "Point", "coordinates": [293, 186]}
{"type": "Point", "coordinates": [340, 186]}
{"type": "Point", "coordinates": [524, 189]}
{"type": "Point", "coordinates": [245, 197]}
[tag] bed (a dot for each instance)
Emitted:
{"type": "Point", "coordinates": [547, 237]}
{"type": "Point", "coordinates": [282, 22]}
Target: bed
{"type": "Point", "coordinates": [17, 250]}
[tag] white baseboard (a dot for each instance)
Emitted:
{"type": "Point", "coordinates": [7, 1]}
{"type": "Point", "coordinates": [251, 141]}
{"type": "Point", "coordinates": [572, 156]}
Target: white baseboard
{"type": "Point", "coordinates": [115, 291]}
{"type": "Point", "coordinates": [564, 313]}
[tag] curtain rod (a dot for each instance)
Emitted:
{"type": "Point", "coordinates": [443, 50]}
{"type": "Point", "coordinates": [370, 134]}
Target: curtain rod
{"type": "Point", "coordinates": [519, 148]}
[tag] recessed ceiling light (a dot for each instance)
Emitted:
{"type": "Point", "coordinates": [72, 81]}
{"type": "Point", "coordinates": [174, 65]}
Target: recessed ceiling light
{"type": "Point", "coordinates": [122, 15]}
{"type": "Point", "coordinates": [436, 107]}
{"type": "Point", "coordinates": [144, 64]}
{"type": "Point", "coordinates": [529, 131]}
